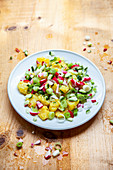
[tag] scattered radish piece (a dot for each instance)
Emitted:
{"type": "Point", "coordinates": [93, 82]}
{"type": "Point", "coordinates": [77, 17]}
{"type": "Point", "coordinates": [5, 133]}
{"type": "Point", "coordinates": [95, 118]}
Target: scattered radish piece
{"type": "Point", "coordinates": [64, 72]}
{"type": "Point", "coordinates": [33, 113]}
{"type": "Point", "coordinates": [17, 50]}
{"type": "Point", "coordinates": [76, 65]}
{"type": "Point", "coordinates": [39, 105]}
{"type": "Point", "coordinates": [43, 81]}
{"type": "Point", "coordinates": [37, 142]}
{"type": "Point", "coordinates": [48, 154]}
{"type": "Point", "coordinates": [65, 153]}
{"type": "Point", "coordinates": [86, 79]}
{"type": "Point", "coordinates": [56, 153]}
{"type": "Point", "coordinates": [93, 100]}
{"type": "Point", "coordinates": [32, 145]}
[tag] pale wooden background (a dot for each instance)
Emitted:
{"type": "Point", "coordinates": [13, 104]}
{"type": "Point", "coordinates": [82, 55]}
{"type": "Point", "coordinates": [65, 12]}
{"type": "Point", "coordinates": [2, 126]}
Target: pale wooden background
{"type": "Point", "coordinates": [57, 24]}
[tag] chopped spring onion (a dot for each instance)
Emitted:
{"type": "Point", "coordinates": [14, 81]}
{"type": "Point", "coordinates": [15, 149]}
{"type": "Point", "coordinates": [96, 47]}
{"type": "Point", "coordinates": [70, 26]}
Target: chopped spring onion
{"type": "Point", "coordinates": [87, 111]}
{"type": "Point", "coordinates": [70, 119]}
{"type": "Point", "coordinates": [58, 146]}
{"type": "Point", "coordinates": [111, 122]}
{"type": "Point", "coordinates": [67, 115]}
{"type": "Point", "coordinates": [35, 119]}
{"type": "Point", "coordinates": [51, 115]}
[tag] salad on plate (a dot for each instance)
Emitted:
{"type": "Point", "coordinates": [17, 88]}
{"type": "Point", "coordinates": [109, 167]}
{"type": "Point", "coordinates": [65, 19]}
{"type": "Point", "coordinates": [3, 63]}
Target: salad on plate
{"type": "Point", "coordinates": [56, 88]}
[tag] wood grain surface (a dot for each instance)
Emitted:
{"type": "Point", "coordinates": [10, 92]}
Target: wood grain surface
{"type": "Point", "coordinates": [38, 25]}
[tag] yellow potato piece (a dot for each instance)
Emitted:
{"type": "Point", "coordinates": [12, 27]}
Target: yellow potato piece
{"type": "Point", "coordinates": [72, 105]}
{"type": "Point", "coordinates": [43, 100]}
{"type": "Point", "coordinates": [43, 59]}
{"type": "Point", "coordinates": [32, 101]}
{"type": "Point", "coordinates": [59, 113]}
{"type": "Point", "coordinates": [43, 113]}
{"type": "Point", "coordinates": [54, 87]}
{"type": "Point", "coordinates": [22, 87]}
{"type": "Point", "coordinates": [54, 105]}
{"type": "Point", "coordinates": [64, 88]}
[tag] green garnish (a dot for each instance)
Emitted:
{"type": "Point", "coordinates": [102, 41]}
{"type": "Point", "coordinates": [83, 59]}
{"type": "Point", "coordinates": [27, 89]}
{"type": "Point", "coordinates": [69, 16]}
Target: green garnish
{"type": "Point", "coordinates": [87, 111]}
{"type": "Point", "coordinates": [11, 57]}
{"type": "Point", "coordinates": [19, 144]}
{"type": "Point", "coordinates": [67, 115]}
{"type": "Point", "coordinates": [58, 146]}
{"type": "Point", "coordinates": [51, 115]}
{"type": "Point", "coordinates": [111, 122]}
{"type": "Point", "coordinates": [75, 111]}
{"type": "Point", "coordinates": [32, 68]}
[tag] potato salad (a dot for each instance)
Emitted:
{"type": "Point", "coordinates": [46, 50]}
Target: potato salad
{"type": "Point", "coordinates": [56, 88]}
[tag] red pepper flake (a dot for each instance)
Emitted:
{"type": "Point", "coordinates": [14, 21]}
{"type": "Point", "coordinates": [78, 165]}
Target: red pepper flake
{"type": "Point", "coordinates": [17, 50]}
{"type": "Point", "coordinates": [109, 62]}
{"type": "Point", "coordinates": [84, 49]}
{"type": "Point", "coordinates": [105, 49]}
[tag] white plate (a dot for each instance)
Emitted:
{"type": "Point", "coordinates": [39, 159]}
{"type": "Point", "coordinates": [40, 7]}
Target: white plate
{"type": "Point", "coordinates": [17, 99]}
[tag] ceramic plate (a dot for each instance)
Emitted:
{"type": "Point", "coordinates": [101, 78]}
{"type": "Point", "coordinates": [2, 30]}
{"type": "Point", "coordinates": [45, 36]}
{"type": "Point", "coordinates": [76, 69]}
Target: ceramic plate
{"type": "Point", "coordinates": [17, 99]}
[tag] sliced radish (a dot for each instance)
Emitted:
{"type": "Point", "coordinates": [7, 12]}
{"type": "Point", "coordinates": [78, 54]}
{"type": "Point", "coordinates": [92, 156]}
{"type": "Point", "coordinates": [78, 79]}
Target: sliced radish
{"type": "Point", "coordinates": [33, 113]}
{"type": "Point", "coordinates": [37, 142]}
{"type": "Point", "coordinates": [39, 105]}
{"type": "Point", "coordinates": [48, 154]}
{"type": "Point", "coordinates": [71, 113]}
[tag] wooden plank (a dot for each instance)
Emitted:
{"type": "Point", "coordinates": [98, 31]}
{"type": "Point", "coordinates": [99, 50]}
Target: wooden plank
{"type": "Point", "coordinates": [60, 24]}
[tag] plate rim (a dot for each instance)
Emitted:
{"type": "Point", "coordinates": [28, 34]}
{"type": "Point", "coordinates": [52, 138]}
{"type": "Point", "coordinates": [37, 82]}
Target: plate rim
{"type": "Point", "coordinates": [59, 50]}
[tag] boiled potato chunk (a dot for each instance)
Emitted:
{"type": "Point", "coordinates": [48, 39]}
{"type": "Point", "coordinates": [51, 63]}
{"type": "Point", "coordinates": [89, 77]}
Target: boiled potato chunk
{"type": "Point", "coordinates": [64, 88]}
{"type": "Point", "coordinates": [72, 105]}
{"type": "Point", "coordinates": [32, 101]}
{"type": "Point", "coordinates": [43, 100]}
{"type": "Point", "coordinates": [54, 105]}
{"type": "Point", "coordinates": [54, 87]}
{"type": "Point", "coordinates": [22, 87]}
{"type": "Point", "coordinates": [43, 113]}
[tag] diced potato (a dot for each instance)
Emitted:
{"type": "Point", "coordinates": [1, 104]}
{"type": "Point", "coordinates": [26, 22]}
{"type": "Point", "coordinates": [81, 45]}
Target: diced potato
{"type": "Point", "coordinates": [43, 100]}
{"type": "Point", "coordinates": [54, 105]}
{"type": "Point", "coordinates": [59, 113]}
{"type": "Point", "coordinates": [43, 59]}
{"type": "Point", "coordinates": [64, 88]}
{"type": "Point", "coordinates": [54, 87]}
{"type": "Point", "coordinates": [43, 113]}
{"type": "Point", "coordinates": [56, 66]}
{"type": "Point", "coordinates": [32, 101]}
{"type": "Point", "coordinates": [22, 87]}
{"type": "Point", "coordinates": [72, 105]}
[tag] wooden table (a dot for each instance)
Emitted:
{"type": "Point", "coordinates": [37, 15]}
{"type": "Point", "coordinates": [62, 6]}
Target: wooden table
{"type": "Point", "coordinates": [38, 25]}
